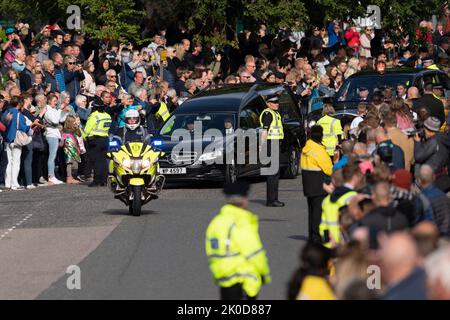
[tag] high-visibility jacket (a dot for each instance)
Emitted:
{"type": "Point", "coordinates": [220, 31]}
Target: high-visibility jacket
{"type": "Point", "coordinates": [330, 216]}
{"type": "Point", "coordinates": [163, 112]}
{"type": "Point", "coordinates": [275, 131]}
{"type": "Point", "coordinates": [433, 67]}
{"type": "Point", "coordinates": [331, 129]}
{"type": "Point", "coordinates": [235, 252]}
{"type": "Point", "coordinates": [98, 124]}
{"type": "Point", "coordinates": [315, 158]}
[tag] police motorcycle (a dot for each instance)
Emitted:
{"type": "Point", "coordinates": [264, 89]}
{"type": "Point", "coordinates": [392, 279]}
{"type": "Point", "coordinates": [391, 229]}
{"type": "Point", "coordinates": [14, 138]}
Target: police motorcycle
{"type": "Point", "coordinates": [133, 167]}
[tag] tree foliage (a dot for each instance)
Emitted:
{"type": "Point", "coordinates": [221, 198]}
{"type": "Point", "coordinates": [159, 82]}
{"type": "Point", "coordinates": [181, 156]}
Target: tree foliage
{"type": "Point", "coordinates": [109, 19]}
{"type": "Point", "coordinates": [211, 19]}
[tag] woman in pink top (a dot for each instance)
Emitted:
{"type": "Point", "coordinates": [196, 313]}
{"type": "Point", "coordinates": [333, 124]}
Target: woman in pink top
{"type": "Point", "coordinates": [403, 114]}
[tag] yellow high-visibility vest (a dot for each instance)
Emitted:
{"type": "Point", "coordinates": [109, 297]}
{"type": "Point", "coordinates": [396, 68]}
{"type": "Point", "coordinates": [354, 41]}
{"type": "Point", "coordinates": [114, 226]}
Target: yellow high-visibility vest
{"type": "Point", "coordinates": [330, 217]}
{"type": "Point", "coordinates": [98, 124]}
{"type": "Point", "coordinates": [331, 129]}
{"type": "Point", "coordinates": [163, 111]}
{"type": "Point", "coordinates": [235, 252]}
{"type": "Point", "coordinates": [275, 131]}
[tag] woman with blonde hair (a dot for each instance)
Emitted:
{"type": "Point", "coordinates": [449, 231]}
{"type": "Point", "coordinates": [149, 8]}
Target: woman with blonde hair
{"type": "Point", "coordinates": [49, 73]}
{"type": "Point", "coordinates": [352, 68]}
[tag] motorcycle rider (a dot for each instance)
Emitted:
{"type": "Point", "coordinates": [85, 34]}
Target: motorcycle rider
{"type": "Point", "coordinates": [132, 131]}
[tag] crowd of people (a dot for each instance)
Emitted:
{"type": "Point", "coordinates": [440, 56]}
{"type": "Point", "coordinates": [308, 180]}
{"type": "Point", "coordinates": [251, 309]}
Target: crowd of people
{"type": "Point", "coordinates": [376, 189]}
{"type": "Point", "coordinates": [52, 80]}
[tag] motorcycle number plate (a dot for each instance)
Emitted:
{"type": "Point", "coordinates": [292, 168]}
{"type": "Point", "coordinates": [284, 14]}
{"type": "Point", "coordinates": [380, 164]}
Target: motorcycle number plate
{"type": "Point", "coordinates": [172, 170]}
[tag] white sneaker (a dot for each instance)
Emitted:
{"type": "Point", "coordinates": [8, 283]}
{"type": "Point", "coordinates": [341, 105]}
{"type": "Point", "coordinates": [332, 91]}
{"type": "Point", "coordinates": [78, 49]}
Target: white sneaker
{"type": "Point", "coordinates": [19, 188]}
{"type": "Point", "coordinates": [31, 186]}
{"type": "Point", "coordinates": [54, 181]}
{"type": "Point", "coordinates": [42, 181]}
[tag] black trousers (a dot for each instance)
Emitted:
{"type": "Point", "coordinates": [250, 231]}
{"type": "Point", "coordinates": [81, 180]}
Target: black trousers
{"type": "Point", "coordinates": [96, 149]}
{"type": "Point", "coordinates": [314, 218]}
{"type": "Point", "coordinates": [273, 182]}
{"type": "Point", "coordinates": [274, 179]}
{"type": "Point", "coordinates": [234, 293]}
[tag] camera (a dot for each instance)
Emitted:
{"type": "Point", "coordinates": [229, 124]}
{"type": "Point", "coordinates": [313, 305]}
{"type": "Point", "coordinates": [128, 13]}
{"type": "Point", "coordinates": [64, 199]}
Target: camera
{"type": "Point", "coordinates": [419, 131]}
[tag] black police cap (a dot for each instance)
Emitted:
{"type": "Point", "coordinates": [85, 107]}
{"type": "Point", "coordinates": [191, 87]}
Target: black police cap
{"type": "Point", "coordinates": [273, 99]}
{"type": "Point", "coordinates": [239, 188]}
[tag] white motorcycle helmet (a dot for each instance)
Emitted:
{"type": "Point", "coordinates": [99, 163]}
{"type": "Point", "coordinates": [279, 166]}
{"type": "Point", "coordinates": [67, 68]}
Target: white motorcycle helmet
{"type": "Point", "coordinates": [132, 119]}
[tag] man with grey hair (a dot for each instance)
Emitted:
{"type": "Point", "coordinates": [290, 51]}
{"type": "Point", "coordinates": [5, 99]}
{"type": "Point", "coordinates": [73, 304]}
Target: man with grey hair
{"type": "Point", "coordinates": [437, 268]}
{"type": "Point", "coordinates": [236, 255]}
{"type": "Point", "coordinates": [19, 63]}
{"type": "Point", "coordinates": [439, 201]}
{"type": "Point", "coordinates": [111, 75]}
{"type": "Point", "coordinates": [399, 258]}
{"type": "Point", "coordinates": [246, 77]}
{"type": "Point", "coordinates": [191, 88]}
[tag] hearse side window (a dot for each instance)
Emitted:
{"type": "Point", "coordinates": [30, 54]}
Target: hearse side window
{"type": "Point", "coordinates": [243, 120]}
{"type": "Point", "coordinates": [288, 108]}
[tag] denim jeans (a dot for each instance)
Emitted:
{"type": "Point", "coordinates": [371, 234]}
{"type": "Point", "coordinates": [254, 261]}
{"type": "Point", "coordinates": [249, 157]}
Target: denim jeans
{"type": "Point", "coordinates": [27, 164]}
{"type": "Point", "coordinates": [53, 144]}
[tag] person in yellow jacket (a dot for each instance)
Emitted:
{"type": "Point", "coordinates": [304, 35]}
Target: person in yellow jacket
{"type": "Point", "coordinates": [316, 169]}
{"type": "Point", "coordinates": [332, 205]}
{"type": "Point", "coordinates": [332, 129]}
{"type": "Point", "coordinates": [96, 134]}
{"type": "Point", "coordinates": [237, 259]}
{"type": "Point", "coordinates": [310, 281]}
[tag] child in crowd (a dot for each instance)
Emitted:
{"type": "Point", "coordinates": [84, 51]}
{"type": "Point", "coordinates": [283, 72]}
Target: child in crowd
{"type": "Point", "coordinates": [73, 146]}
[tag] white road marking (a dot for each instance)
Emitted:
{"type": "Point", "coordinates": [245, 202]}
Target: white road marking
{"type": "Point", "coordinates": [15, 226]}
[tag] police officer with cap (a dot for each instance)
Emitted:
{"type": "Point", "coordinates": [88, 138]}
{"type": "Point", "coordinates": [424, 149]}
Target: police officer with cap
{"type": "Point", "coordinates": [271, 135]}
{"type": "Point", "coordinates": [237, 259]}
{"type": "Point", "coordinates": [96, 132]}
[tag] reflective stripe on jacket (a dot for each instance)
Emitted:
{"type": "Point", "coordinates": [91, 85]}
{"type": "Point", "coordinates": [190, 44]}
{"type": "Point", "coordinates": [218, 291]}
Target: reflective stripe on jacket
{"type": "Point", "coordinates": [234, 249]}
{"type": "Point", "coordinates": [275, 131]}
{"type": "Point", "coordinates": [163, 112]}
{"type": "Point", "coordinates": [98, 124]}
{"type": "Point", "coordinates": [331, 129]}
{"type": "Point", "coordinates": [330, 217]}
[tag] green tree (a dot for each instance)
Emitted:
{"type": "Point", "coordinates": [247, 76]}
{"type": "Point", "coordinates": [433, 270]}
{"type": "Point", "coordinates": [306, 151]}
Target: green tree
{"type": "Point", "coordinates": [109, 19]}
{"type": "Point", "coordinates": [212, 19]}
{"type": "Point", "coordinates": [394, 13]}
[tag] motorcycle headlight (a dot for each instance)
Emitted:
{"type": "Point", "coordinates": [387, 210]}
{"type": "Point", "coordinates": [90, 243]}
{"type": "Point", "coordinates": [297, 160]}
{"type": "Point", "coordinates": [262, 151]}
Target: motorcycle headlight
{"type": "Point", "coordinates": [210, 155]}
{"type": "Point", "coordinates": [126, 163]}
{"type": "Point", "coordinates": [311, 124]}
{"type": "Point", "coordinates": [146, 163]}
{"type": "Point", "coordinates": [136, 165]}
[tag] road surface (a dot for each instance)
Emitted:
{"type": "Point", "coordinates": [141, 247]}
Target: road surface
{"type": "Point", "coordinates": [159, 255]}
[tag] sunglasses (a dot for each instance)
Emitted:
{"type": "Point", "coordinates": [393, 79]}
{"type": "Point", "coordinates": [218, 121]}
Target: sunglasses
{"type": "Point", "coordinates": [114, 76]}
{"type": "Point", "coordinates": [71, 63]}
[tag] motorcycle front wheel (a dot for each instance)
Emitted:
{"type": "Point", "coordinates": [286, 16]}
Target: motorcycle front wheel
{"type": "Point", "coordinates": [135, 204]}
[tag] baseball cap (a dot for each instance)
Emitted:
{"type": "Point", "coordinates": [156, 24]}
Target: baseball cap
{"type": "Point", "coordinates": [9, 31]}
{"type": "Point", "coordinates": [402, 179]}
